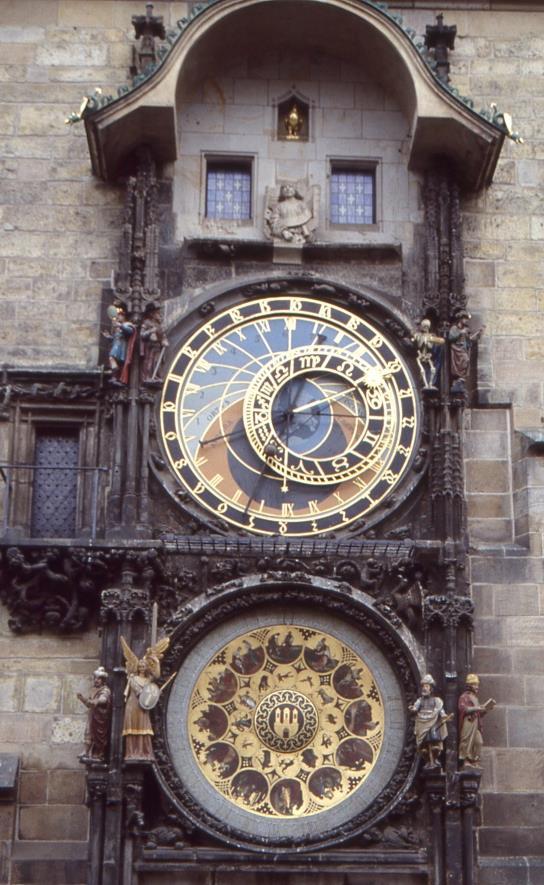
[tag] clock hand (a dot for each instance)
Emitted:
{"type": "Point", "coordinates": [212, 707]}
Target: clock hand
{"type": "Point", "coordinates": [319, 414]}
{"type": "Point", "coordinates": [205, 442]}
{"type": "Point", "coordinates": [324, 399]}
{"type": "Point", "coordinates": [272, 448]}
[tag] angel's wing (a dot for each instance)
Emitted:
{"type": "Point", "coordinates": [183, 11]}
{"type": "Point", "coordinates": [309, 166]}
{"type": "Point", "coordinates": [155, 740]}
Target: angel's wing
{"type": "Point", "coordinates": [154, 654]}
{"type": "Point", "coordinates": [131, 659]}
{"type": "Point", "coordinates": [159, 648]}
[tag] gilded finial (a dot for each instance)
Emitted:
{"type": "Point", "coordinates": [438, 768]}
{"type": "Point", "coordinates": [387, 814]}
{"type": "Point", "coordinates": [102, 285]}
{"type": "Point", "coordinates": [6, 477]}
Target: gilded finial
{"type": "Point", "coordinates": [77, 116]}
{"type": "Point", "coordinates": [505, 120]}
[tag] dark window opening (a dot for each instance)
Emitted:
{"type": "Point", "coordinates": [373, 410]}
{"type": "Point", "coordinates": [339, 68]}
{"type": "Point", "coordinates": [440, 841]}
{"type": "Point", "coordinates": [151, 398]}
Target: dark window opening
{"type": "Point", "coordinates": [228, 190]}
{"type": "Point", "coordinates": [54, 498]}
{"type": "Point", "coordinates": [352, 196]}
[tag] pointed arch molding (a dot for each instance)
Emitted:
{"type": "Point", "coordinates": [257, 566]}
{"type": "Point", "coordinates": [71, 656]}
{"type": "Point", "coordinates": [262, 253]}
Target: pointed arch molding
{"type": "Point", "coordinates": [440, 125]}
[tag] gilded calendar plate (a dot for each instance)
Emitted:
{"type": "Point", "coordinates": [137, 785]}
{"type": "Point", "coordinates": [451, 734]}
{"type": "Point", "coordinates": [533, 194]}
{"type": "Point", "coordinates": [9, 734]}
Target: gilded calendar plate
{"type": "Point", "coordinates": [286, 721]}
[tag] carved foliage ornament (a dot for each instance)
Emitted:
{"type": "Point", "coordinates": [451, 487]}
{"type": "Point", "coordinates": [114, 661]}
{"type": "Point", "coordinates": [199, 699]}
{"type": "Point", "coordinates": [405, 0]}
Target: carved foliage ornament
{"type": "Point", "coordinates": [58, 589]}
{"type": "Point", "coordinates": [448, 611]}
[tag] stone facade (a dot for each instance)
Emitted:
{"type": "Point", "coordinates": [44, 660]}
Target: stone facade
{"type": "Point", "coordinates": [60, 244]}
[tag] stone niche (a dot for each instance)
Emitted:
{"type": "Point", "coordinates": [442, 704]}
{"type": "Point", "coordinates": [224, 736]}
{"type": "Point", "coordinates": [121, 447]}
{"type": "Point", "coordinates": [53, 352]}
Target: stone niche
{"type": "Point", "coordinates": [228, 109]}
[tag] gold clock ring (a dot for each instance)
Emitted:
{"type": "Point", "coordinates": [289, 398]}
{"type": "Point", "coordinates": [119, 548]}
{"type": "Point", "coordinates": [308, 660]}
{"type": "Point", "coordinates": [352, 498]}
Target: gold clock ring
{"type": "Point", "coordinates": [271, 435]}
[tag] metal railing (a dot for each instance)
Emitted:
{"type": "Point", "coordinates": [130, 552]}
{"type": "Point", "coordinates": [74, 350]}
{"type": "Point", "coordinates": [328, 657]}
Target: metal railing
{"type": "Point", "coordinates": [8, 473]}
{"type": "Point", "coordinates": [277, 546]}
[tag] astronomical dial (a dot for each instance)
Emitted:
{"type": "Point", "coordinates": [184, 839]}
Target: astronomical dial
{"type": "Point", "coordinates": [289, 416]}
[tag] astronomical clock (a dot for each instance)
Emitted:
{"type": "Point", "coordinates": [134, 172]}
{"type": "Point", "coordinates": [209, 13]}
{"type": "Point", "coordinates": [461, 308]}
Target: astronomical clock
{"type": "Point", "coordinates": [288, 421]}
{"type": "Point", "coordinates": [289, 416]}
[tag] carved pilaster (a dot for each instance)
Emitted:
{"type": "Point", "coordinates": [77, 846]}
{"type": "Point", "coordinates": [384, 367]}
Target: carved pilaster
{"type": "Point", "coordinates": [435, 791]}
{"type": "Point", "coordinates": [125, 611]}
{"type": "Point", "coordinates": [440, 38]}
{"type": "Point", "coordinates": [444, 283]}
{"type": "Point", "coordinates": [137, 289]}
{"type": "Point", "coordinates": [447, 485]}
{"type": "Point", "coordinates": [148, 29]}
{"type": "Point", "coordinates": [470, 803]}
{"type": "Point", "coordinates": [97, 786]}
{"type": "Point", "coordinates": [137, 281]}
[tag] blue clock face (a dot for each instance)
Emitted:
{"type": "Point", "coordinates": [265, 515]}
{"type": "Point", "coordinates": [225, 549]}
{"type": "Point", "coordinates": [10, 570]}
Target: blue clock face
{"type": "Point", "coordinates": [289, 416]}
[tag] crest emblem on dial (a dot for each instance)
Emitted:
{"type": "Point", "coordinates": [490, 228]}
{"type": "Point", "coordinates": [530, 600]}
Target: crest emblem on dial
{"type": "Point", "coordinates": [289, 416]}
{"type": "Point", "coordinates": [286, 721]}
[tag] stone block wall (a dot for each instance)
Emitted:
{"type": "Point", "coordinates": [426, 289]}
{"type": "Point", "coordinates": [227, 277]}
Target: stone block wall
{"type": "Point", "coordinates": [43, 722]}
{"type": "Point", "coordinates": [488, 475]}
{"type": "Point", "coordinates": [508, 590]}
{"type": "Point", "coordinates": [59, 226]}
{"type": "Point", "coordinates": [499, 57]}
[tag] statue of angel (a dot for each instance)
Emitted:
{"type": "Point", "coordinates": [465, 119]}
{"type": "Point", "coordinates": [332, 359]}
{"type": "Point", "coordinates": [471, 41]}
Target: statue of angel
{"type": "Point", "coordinates": [141, 695]}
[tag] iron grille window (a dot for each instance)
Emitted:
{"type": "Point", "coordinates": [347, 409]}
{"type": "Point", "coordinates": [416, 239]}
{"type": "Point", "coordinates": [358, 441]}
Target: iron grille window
{"type": "Point", "coordinates": [228, 191]}
{"type": "Point", "coordinates": [54, 499]}
{"type": "Point", "coordinates": [352, 196]}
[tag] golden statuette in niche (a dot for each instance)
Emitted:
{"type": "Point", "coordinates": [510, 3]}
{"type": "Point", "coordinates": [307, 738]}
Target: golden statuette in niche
{"type": "Point", "coordinates": [286, 721]}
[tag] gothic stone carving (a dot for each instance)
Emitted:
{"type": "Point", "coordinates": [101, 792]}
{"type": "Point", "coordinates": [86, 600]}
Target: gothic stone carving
{"type": "Point", "coordinates": [292, 213]}
{"type": "Point", "coordinates": [54, 589]}
{"type": "Point", "coordinates": [448, 611]}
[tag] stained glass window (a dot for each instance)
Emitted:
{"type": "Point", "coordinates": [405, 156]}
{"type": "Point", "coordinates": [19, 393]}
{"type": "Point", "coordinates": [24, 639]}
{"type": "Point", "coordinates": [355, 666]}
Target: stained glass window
{"type": "Point", "coordinates": [352, 196]}
{"type": "Point", "coordinates": [54, 496]}
{"type": "Point", "coordinates": [228, 191]}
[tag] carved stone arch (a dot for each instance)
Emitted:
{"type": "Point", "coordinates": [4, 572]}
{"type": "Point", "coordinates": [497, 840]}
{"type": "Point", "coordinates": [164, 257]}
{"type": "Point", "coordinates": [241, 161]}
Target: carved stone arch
{"type": "Point", "coordinates": [254, 600]}
{"type": "Point", "coordinates": [439, 123]}
{"type": "Point", "coordinates": [182, 315]}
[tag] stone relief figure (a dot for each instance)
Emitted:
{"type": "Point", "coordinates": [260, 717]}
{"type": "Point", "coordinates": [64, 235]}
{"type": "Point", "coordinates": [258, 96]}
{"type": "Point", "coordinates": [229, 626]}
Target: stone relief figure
{"type": "Point", "coordinates": [141, 695]}
{"type": "Point", "coordinates": [153, 344]}
{"type": "Point", "coordinates": [460, 339]}
{"type": "Point", "coordinates": [290, 215]}
{"type": "Point", "coordinates": [97, 733]}
{"type": "Point", "coordinates": [471, 713]}
{"type": "Point", "coordinates": [123, 339]}
{"type": "Point", "coordinates": [430, 723]}
{"type": "Point", "coordinates": [429, 354]}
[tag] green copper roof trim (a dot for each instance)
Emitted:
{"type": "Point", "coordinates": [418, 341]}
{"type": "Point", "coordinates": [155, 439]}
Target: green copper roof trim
{"type": "Point", "coordinates": [98, 101]}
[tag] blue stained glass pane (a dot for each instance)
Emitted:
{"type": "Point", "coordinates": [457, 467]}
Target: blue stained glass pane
{"type": "Point", "coordinates": [352, 197]}
{"type": "Point", "coordinates": [228, 193]}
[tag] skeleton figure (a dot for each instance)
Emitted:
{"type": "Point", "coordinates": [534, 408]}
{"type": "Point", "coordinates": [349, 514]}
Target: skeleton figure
{"type": "Point", "coordinates": [429, 354]}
